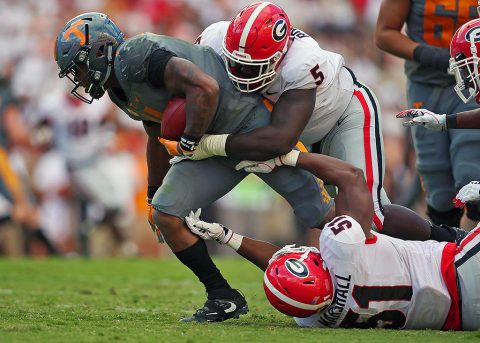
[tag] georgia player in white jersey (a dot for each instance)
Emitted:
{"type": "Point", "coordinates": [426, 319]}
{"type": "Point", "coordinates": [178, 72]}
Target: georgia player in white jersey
{"type": "Point", "coordinates": [316, 99]}
{"type": "Point", "coordinates": [366, 279]}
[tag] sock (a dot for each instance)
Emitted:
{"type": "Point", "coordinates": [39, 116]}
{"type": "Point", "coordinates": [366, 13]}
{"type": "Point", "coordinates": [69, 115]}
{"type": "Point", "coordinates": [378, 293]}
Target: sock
{"type": "Point", "coordinates": [200, 263]}
{"type": "Point", "coordinates": [442, 234]}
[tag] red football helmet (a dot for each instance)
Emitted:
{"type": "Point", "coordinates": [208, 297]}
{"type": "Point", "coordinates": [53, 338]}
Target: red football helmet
{"type": "Point", "coordinates": [296, 283]}
{"type": "Point", "coordinates": [464, 61]}
{"type": "Point", "coordinates": [255, 42]}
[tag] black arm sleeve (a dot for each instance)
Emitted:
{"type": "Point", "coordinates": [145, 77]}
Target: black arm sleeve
{"type": "Point", "coordinates": [156, 67]}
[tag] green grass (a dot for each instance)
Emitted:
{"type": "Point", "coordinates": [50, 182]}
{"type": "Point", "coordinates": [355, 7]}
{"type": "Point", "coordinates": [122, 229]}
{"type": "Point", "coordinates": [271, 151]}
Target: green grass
{"type": "Point", "coordinates": [142, 300]}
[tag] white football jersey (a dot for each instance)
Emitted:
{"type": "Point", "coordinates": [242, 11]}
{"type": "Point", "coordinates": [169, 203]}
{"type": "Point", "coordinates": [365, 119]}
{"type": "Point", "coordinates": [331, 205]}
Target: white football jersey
{"type": "Point", "coordinates": [381, 282]}
{"type": "Point", "coordinates": [81, 131]}
{"type": "Point", "coordinates": [304, 66]}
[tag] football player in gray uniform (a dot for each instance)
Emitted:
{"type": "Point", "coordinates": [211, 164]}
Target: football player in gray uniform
{"type": "Point", "coordinates": [141, 75]}
{"type": "Point", "coordinates": [446, 161]}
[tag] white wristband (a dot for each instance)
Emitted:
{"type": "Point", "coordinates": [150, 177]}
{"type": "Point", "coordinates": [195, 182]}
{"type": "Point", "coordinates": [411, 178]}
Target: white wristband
{"type": "Point", "coordinates": [215, 144]}
{"type": "Point", "coordinates": [235, 241]}
{"type": "Point", "coordinates": [290, 159]}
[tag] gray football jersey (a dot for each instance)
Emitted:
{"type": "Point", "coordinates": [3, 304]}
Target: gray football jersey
{"type": "Point", "coordinates": [434, 22]}
{"type": "Point", "coordinates": [147, 102]}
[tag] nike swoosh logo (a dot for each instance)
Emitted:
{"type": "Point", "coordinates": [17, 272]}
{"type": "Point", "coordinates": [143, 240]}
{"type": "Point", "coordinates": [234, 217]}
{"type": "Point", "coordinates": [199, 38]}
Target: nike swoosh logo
{"type": "Point", "coordinates": [232, 308]}
{"type": "Point", "coordinates": [268, 93]}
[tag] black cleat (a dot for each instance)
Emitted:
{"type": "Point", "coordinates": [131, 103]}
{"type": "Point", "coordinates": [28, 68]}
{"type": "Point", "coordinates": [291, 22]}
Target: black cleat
{"type": "Point", "coordinates": [460, 234]}
{"type": "Point", "coordinates": [221, 305]}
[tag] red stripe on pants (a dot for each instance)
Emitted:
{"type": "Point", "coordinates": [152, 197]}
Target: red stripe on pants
{"type": "Point", "coordinates": [368, 151]}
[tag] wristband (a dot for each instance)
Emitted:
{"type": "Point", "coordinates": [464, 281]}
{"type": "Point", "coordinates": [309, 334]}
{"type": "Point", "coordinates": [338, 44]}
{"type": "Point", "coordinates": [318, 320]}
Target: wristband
{"type": "Point", "coordinates": [189, 143]}
{"type": "Point", "coordinates": [235, 241]}
{"type": "Point", "coordinates": [151, 190]}
{"type": "Point", "coordinates": [432, 56]}
{"type": "Point", "coordinates": [290, 159]}
{"type": "Point", "coordinates": [451, 121]}
{"type": "Point", "coordinates": [214, 144]}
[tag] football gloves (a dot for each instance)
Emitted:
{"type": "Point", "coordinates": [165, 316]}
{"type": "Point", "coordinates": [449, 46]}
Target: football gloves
{"type": "Point", "coordinates": [469, 192]}
{"type": "Point", "coordinates": [209, 145]}
{"type": "Point", "coordinates": [264, 167]}
{"type": "Point", "coordinates": [425, 118]}
{"type": "Point", "coordinates": [207, 231]}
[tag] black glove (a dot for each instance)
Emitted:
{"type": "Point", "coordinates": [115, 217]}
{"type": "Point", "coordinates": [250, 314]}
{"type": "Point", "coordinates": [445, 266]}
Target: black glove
{"type": "Point", "coordinates": [432, 56]}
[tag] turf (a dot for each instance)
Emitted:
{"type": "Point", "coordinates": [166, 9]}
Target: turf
{"type": "Point", "coordinates": [142, 300]}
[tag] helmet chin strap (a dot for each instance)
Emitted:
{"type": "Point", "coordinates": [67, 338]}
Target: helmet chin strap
{"type": "Point", "coordinates": [109, 64]}
{"type": "Point", "coordinates": [99, 90]}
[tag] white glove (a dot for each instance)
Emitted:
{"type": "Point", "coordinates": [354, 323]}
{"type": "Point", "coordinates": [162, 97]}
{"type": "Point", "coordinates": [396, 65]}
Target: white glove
{"type": "Point", "coordinates": [265, 167]}
{"type": "Point", "coordinates": [425, 118]}
{"type": "Point", "coordinates": [292, 248]}
{"type": "Point", "coordinates": [207, 231]}
{"type": "Point", "coordinates": [469, 192]}
{"type": "Point", "coordinates": [209, 145]}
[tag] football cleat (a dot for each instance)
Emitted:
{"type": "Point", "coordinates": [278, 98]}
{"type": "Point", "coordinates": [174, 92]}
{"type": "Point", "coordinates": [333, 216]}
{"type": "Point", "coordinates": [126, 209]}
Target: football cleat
{"type": "Point", "coordinates": [221, 305]}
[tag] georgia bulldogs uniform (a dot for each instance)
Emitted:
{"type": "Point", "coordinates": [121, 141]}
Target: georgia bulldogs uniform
{"type": "Point", "coordinates": [391, 283]}
{"type": "Point", "coordinates": [305, 66]}
{"type": "Point", "coordinates": [346, 120]}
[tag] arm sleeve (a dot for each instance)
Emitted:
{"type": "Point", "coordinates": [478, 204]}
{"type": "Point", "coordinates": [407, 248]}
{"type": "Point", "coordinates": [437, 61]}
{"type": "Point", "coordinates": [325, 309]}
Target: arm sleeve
{"type": "Point", "coordinates": [156, 67]}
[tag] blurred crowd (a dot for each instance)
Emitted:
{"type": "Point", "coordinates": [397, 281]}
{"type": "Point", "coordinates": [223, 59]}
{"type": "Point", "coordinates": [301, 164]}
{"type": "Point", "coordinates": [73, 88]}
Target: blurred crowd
{"type": "Point", "coordinates": [73, 175]}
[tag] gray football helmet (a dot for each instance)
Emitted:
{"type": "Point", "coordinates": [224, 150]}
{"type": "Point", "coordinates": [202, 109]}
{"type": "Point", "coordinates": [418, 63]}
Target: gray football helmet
{"type": "Point", "coordinates": [84, 51]}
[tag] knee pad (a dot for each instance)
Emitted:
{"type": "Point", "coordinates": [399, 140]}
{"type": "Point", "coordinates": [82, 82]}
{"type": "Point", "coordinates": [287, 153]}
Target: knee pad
{"type": "Point", "coordinates": [473, 211]}
{"type": "Point", "coordinates": [450, 218]}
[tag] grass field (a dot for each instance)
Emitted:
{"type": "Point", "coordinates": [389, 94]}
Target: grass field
{"type": "Point", "coordinates": [141, 301]}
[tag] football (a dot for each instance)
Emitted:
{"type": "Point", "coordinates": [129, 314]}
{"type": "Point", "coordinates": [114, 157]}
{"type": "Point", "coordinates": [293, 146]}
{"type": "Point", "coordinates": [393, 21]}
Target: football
{"type": "Point", "coordinates": [174, 119]}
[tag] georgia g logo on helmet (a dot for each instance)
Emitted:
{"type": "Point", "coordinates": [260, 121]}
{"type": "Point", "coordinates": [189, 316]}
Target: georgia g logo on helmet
{"type": "Point", "coordinates": [473, 34]}
{"type": "Point", "coordinates": [297, 267]}
{"type": "Point", "coordinates": [280, 29]}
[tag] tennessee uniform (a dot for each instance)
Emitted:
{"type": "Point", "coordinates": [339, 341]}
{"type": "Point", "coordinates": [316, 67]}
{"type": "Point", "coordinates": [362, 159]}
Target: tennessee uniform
{"type": "Point", "coordinates": [346, 120]}
{"type": "Point", "coordinates": [416, 289]}
{"type": "Point", "coordinates": [446, 161]}
{"type": "Point", "coordinates": [236, 112]}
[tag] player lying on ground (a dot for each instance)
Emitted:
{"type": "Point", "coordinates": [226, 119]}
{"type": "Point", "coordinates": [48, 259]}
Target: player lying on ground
{"type": "Point", "coordinates": [373, 280]}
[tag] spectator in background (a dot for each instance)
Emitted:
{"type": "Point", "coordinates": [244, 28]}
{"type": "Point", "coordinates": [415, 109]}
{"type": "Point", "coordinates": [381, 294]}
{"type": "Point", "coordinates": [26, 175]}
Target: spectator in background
{"type": "Point", "coordinates": [102, 178]}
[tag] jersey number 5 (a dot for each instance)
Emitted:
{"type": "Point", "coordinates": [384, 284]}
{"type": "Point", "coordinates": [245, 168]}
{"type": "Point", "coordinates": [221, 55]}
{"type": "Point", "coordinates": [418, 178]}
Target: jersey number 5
{"type": "Point", "coordinates": [317, 75]}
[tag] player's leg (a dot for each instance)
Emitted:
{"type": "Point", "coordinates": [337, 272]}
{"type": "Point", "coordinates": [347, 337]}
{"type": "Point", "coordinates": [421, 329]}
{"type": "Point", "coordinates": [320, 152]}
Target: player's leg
{"type": "Point", "coordinates": [467, 264]}
{"type": "Point", "coordinates": [433, 156]}
{"type": "Point", "coordinates": [465, 156]}
{"type": "Point", "coordinates": [357, 139]}
{"type": "Point", "coordinates": [187, 186]}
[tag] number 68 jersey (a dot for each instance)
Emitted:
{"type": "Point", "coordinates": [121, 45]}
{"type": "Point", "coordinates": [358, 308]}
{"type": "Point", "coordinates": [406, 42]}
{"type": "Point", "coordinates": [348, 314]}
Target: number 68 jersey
{"type": "Point", "coordinates": [381, 282]}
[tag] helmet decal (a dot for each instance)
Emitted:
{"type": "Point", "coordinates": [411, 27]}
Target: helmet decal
{"type": "Point", "coordinates": [297, 267]}
{"type": "Point", "coordinates": [254, 44]}
{"type": "Point", "coordinates": [297, 283]}
{"type": "Point", "coordinates": [74, 30]}
{"type": "Point", "coordinates": [280, 30]}
{"type": "Point", "coordinates": [473, 34]}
